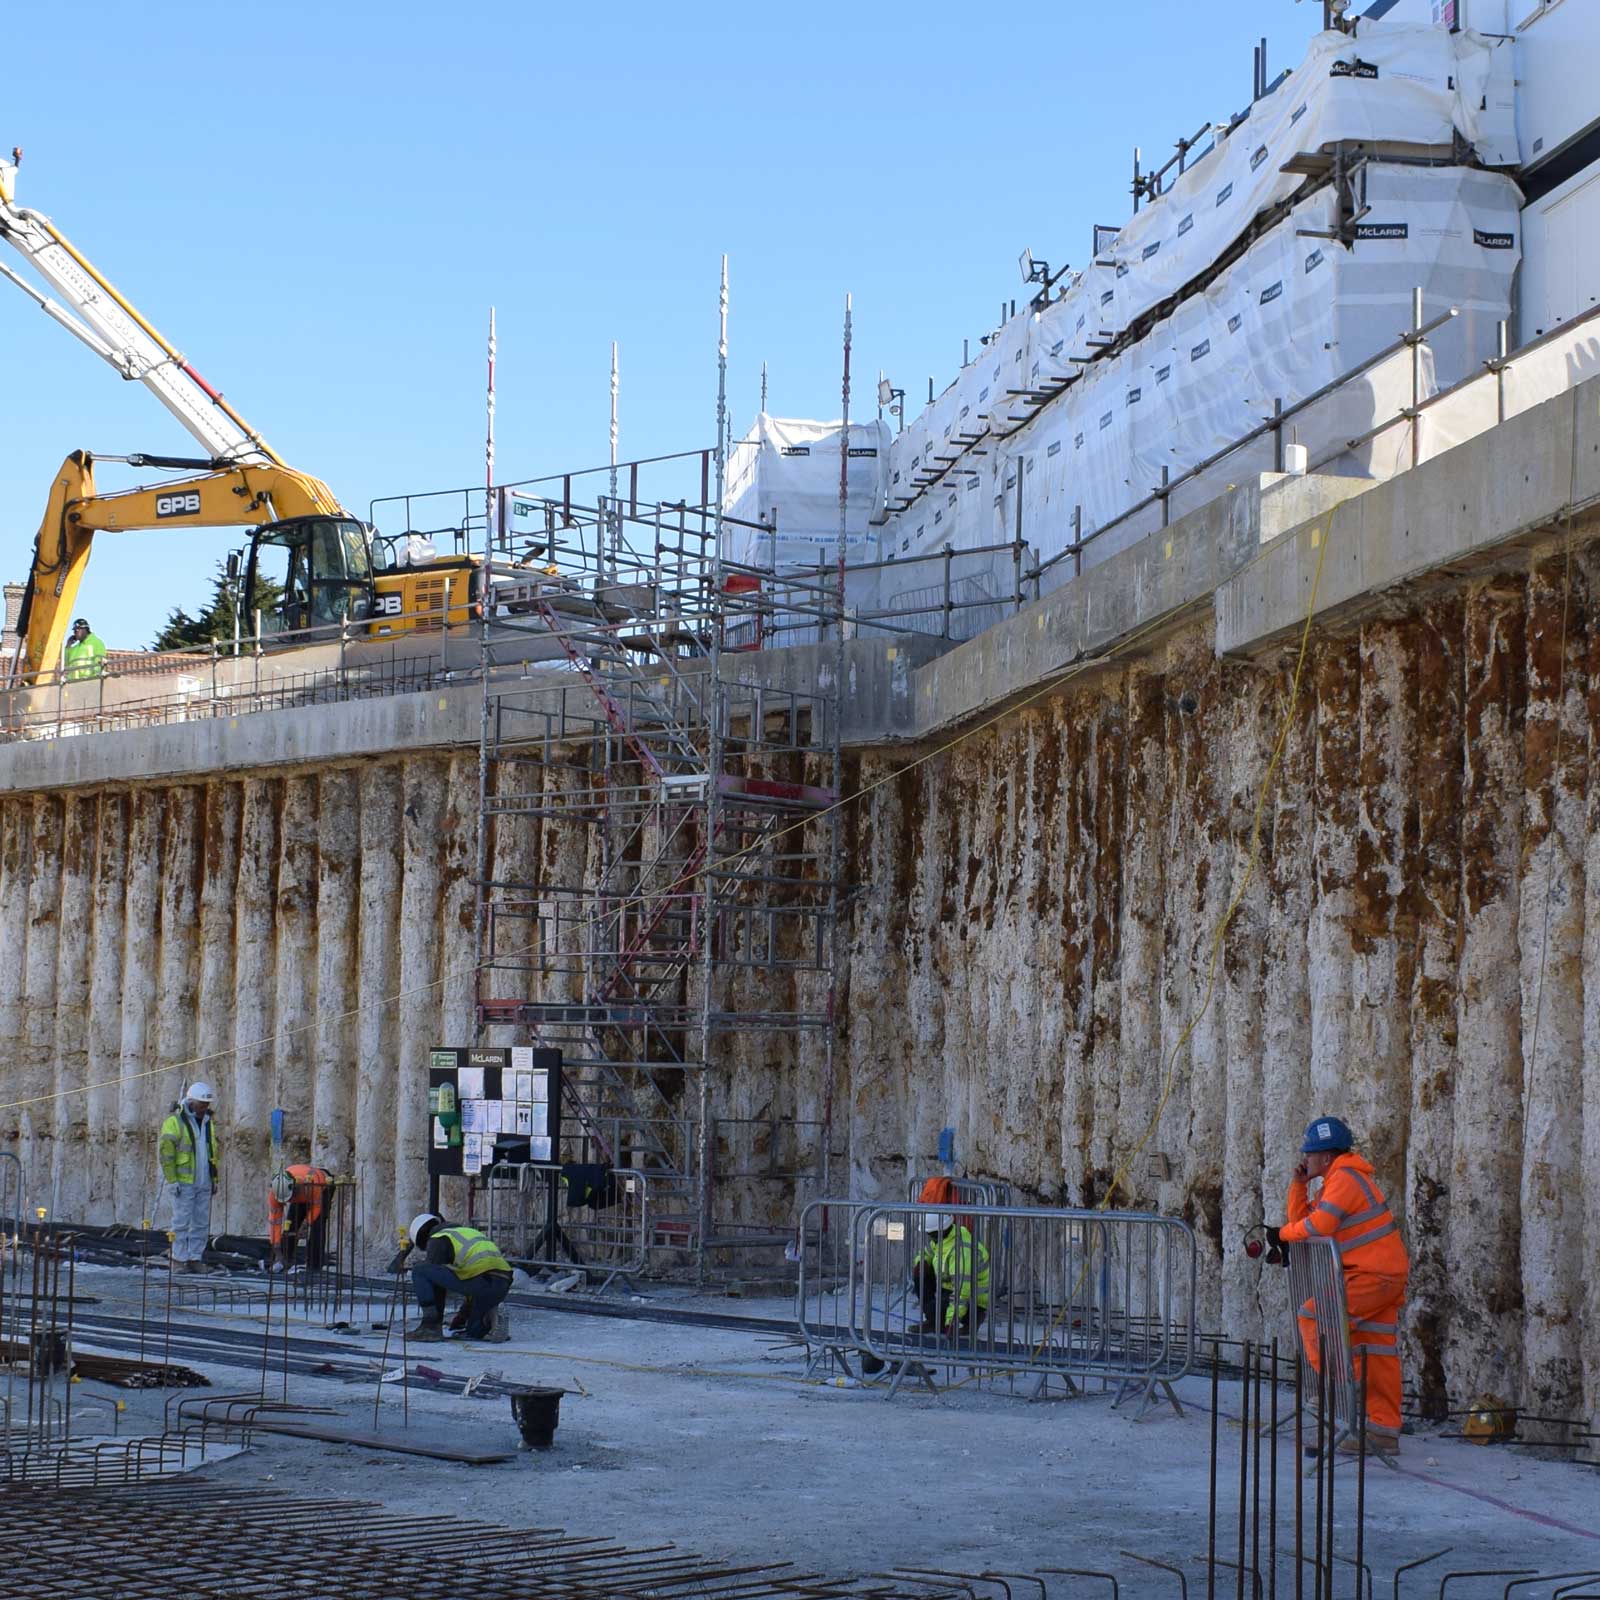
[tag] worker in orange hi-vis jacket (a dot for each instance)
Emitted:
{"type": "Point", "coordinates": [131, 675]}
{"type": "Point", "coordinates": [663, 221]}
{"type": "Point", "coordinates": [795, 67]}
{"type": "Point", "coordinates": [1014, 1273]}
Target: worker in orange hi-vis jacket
{"type": "Point", "coordinates": [297, 1199]}
{"type": "Point", "coordinates": [1352, 1211]}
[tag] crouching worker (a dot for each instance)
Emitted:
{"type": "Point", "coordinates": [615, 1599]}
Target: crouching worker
{"type": "Point", "coordinates": [952, 1277]}
{"type": "Point", "coordinates": [459, 1261]}
{"type": "Point", "coordinates": [297, 1208]}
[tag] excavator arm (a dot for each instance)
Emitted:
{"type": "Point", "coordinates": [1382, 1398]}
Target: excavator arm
{"type": "Point", "coordinates": [246, 495]}
{"type": "Point", "coordinates": [93, 310]}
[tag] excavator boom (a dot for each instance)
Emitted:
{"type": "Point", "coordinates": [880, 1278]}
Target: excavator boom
{"type": "Point", "coordinates": [238, 496]}
{"type": "Point", "coordinates": [325, 555]}
{"type": "Point", "coordinates": [92, 310]}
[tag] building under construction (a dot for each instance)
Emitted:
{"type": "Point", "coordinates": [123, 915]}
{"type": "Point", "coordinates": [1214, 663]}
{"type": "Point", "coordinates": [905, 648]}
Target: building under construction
{"type": "Point", "coordinates": [1182, 725]}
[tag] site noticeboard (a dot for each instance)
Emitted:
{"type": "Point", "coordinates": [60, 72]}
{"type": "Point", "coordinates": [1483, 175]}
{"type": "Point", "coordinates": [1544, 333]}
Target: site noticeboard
{"type": "Point", "coordinates": [478, 1098]}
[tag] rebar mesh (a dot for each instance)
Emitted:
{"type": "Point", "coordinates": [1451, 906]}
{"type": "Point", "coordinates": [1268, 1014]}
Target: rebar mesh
{"type": "Point", "coordinates": [194, 1541]}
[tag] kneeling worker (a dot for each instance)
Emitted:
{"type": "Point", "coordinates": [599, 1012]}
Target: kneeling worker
{"type": "Point", "coordinates": [1352, 1212]}
{"type": "Point", "coordinates": [952, 1277]}
{"type": "Point", "coordinates": [297, 1209]}
{"type": "Point", "coordinates": [459, 1261]}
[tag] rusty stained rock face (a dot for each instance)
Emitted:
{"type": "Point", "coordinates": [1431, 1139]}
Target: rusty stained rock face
{"type": "Point", "coordinates": [1425, 871]}
{"type": "Point", "coordinates": [1030, 936]}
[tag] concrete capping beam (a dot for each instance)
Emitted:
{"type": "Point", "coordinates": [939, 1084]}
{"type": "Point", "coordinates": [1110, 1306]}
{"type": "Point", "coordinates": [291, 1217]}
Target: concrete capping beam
{"type": "Point", "coordinates": [1134, 594]}
{"type": "Point", "coordinates": [877, 708]}
{"type": "Point", "coordinates": [316, 735]}
{"type": "Point", "coordinates": [1467, 507]}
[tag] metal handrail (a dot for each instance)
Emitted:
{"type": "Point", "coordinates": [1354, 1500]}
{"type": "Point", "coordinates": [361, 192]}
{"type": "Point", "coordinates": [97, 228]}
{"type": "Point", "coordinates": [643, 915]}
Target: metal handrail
{"type": "Point", "coordinates": [783, 603]}
{"type": "Point", "coordinates": [1273, 424]}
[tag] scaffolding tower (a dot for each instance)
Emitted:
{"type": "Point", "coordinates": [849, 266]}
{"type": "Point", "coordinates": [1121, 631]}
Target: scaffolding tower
{"type": "Point", "coordinates": [658, 882]}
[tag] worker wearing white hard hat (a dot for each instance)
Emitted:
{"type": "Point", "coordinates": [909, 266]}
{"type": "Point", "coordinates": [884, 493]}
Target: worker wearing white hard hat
{"type": "Point", "coordinates": [297, 1209]}
{"type": "Point", "coordinates": [461, 1261]}
{"type": "Point", "coordinates": [951, 1277]}
{"type": "Point", "coordinates": [190, 1154]}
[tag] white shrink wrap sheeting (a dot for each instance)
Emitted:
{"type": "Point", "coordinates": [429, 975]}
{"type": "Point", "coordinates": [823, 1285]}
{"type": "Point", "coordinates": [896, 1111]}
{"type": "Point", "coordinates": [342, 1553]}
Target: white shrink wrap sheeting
{"type": "Point", "coordinates": [1289, 317]}
{"type": "Point", "coordinates": [1391, 86]}
{"type": "Point", "coordinates": [785, 475]}
{"type": "Point", "coordinates": [1459, 241]}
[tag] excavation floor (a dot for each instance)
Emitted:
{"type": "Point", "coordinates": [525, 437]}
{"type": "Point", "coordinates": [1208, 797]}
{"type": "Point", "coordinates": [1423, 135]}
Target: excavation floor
{"type": "Point", "coordinates": [714, 1439]}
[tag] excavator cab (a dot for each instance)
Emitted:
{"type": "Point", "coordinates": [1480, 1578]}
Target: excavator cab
{"type": "Point", "coordinates": [320, 568]}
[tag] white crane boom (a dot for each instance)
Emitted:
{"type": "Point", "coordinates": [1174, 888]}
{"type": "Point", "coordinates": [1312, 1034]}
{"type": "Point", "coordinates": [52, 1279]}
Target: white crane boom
{"type": "Point", "coordinates": [98, 315]}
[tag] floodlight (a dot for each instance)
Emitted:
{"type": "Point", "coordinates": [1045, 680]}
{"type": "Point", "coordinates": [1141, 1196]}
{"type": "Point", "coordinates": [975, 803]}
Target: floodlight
{"type": "Point", "coordinates": [885, 392]}
{"type": "Point", "coordinates": [1025, 263]}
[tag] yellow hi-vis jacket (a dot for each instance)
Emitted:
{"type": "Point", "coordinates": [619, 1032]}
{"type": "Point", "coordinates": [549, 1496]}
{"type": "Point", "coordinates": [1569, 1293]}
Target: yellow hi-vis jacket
{"type": "Point", "coordinates": [475, 1253]}
{"type": "Point", "coordinates": [176, 1148]}
{"type": "Point", "coordinates": [85, 658]}
{"type": "Point", "coordinates": [961, 1276]}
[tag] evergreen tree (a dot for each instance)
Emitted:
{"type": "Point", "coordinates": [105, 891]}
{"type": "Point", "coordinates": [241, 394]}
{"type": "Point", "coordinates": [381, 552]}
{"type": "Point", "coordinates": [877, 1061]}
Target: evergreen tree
{"type": "Point", "coordinates": [215, 620]}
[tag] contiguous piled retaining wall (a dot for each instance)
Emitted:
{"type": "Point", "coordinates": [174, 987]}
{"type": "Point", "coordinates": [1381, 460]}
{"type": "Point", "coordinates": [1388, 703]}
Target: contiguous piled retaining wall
{"type": "Point", "coordinates": [1417, 950]}
{"type": "Point", "coordinates": [1032, 921]}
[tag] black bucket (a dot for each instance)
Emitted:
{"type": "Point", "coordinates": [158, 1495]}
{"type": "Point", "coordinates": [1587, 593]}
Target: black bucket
{"type": "Point", "coordinates": [537, 1412]}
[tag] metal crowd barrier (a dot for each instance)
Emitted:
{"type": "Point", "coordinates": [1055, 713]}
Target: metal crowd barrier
{"type": "Point", "coordinates": [968, 1191]}
{"type": "Point", "coordinates": [527, 1215]}
{"type": "Point", "coordinates": [1071, 1295]}
{"type": "Point", "coordinates": [829, 1248]}
{"type": "Point", "coordinates": [13, 1206]}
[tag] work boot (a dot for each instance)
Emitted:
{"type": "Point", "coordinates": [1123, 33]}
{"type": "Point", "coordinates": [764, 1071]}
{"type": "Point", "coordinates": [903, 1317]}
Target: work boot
{"type": "Point", "coordinates": [499, 1328]}
{"type": "Point", "coordinates": [429, 1331]}
{"type": "Point", "coordinates": [1378, 1444]}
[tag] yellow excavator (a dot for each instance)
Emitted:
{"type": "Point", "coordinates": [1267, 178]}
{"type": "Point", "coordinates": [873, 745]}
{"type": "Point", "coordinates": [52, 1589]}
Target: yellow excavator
{"type": "Point", "coordinates": [334, 573]}
{"type": "Point", "coordinates": [319, 557]}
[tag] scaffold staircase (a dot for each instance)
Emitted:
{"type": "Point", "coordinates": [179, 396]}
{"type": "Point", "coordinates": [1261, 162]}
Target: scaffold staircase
{"type": "Point", "coordinates": [699, 868]}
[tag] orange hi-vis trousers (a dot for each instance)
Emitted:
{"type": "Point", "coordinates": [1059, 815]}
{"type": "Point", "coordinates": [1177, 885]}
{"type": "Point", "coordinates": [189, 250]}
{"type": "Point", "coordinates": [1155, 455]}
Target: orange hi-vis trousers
{"type": "Point", "coordinates": [1373, 1300]}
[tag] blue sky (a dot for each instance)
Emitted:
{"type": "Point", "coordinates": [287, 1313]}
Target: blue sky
{"type": "Point", "coordinates": [318, 203]}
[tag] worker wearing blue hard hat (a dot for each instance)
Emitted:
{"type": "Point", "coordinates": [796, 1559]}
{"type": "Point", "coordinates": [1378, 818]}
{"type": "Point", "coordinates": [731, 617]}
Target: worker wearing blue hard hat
{"type": "Point", "coordinates": [1351, 1211]}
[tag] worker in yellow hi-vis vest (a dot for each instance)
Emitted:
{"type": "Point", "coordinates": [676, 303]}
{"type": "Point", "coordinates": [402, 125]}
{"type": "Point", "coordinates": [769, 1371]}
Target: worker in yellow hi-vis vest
{"type": "Point", "coordinates": [190, 1155]}
{"type": "Point", "coordinates": [85, 652]}
{"type": "Point", "coordinates": [459, 1261]}
{"type": "Point", "coordinates": [952, 1277]}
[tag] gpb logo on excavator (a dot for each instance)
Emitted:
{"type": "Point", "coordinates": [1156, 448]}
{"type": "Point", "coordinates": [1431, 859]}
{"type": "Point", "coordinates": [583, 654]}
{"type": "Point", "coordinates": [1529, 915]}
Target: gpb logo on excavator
{"type": "Point", "coordinates": [186, 504]}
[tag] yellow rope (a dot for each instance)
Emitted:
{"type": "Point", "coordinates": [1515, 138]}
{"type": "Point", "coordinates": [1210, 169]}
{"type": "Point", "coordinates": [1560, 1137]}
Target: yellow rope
{"type": "Point", "coordinates": [1169, 1076]}
{"type": "Point", "coordinates": [1322, 535]}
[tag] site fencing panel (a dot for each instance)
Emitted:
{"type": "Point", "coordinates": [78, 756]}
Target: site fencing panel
{"type": "Point", "coordinates": [1060, 1294]}
{"type": "Point", "coordinates": [528, 1212]}
{"type": "Point", "coordinates": [968, 1191]}
{"type": "Point", "coordinates": [829, 1247]}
